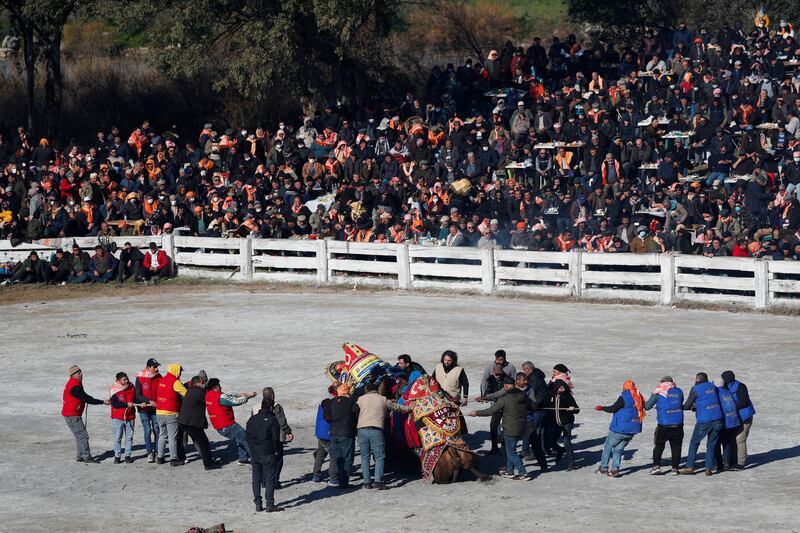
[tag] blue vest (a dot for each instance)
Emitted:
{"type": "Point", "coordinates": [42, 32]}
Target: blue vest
{"type": "Point", "coordinates": [669, 409]}
{"type": "Point", "coordinates": [747, 412]}
{"type": "Point", "coordinates": [728, 405]}
{"type": "Point", "coordinates": [322, 429]}
{"type": "Point", "coordinates": [626, 420]}
{"type": "Point", "coordinates": [706, 405]}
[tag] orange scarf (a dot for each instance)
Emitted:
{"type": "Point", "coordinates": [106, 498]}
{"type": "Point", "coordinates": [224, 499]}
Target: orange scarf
{"type": "Point", "coordinates": [638, 399]}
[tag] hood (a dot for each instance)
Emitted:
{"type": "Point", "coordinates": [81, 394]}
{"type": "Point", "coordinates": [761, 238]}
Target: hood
{"type": "Point", "coordinates": [560, 383]}
{"type": "Point", "coordinates": [175, 369]}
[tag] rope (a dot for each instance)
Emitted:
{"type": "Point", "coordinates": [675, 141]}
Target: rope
{"type": "Point", "coordinates": [296, 381]}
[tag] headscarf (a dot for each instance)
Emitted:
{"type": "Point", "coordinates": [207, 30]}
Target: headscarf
{"type": "Point", "coordinates": [638, 399]}
{"type": "Point", "coordinates": [663, 388]}
{"type": "Point", "coordinates": [117, 387]}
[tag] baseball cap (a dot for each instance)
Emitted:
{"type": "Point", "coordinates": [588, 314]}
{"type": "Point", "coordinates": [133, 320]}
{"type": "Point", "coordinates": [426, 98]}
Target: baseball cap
{"type": "Point", "coordinates": [152, 362]}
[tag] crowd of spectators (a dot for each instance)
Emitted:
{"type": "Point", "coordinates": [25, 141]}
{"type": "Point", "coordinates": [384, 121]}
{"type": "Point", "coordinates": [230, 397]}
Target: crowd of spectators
{"type": "Point", "coordinates": [688, 142]}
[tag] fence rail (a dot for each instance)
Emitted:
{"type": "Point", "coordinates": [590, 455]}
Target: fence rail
{"type": "Point", "coordinates": [661, 278]}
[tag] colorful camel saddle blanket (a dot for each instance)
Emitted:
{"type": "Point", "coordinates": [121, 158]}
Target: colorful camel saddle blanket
{"type": "Point", "coordinates": [428, 459]}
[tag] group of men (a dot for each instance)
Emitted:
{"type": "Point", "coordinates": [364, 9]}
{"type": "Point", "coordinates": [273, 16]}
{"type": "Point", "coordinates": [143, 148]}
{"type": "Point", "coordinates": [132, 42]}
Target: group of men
{"type": "Point", "coordinates": [724, 415]}
{"type": "Point", "coordinates": [171, 411]}
{"type": "Point", "coordinates": [525, 408]}
{"type": "Point", "coordinates": [102, 267]}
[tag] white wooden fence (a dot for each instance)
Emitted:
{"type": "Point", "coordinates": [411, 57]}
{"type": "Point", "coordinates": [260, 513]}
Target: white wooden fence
{"type": "Point", "coordinates": [658, 278]}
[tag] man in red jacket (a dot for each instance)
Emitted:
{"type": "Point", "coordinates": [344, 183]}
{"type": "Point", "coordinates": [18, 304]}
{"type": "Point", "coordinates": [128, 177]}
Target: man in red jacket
{"type": "Point", "coordinates": [145, 393]}
{"type": "Point", "coordinates": [74, 400]}
{"type": "Point", "coordinates": [220, 411]}
{"type": "Point", "coordinates": [123, 412]}
{"type": "Point", "coordinates": [156, 263]}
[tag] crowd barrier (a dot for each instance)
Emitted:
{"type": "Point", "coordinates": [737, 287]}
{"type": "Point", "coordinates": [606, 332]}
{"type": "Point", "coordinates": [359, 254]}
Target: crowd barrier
{"type": "Point", "coordinates": [658, 278]}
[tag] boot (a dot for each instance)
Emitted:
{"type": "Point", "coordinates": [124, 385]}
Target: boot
{"type": "Point", "coordinates": [273, 509]}
{"type": "Point", "coordinates": [259, 506]}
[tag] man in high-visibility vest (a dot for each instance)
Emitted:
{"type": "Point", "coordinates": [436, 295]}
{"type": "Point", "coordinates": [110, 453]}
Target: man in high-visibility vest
{"type": "Point", "coordinates": [220, 412]}
{"type": "Point", "coordinates": [74, 400]}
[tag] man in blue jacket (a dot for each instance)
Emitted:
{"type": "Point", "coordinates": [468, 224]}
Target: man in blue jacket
{"type": "Point", "coordinates": [667, 398]}
{"type": "Point", "coordinates": [725, 451]}
{"type": "Point", "coordinates": [704, 399]}
{"type": "Point", "coordinates": [322, 430]}
{"type": "Point", "coordinates": [746, 411]}
{"type": "Point", "coordinates": [626, 422]}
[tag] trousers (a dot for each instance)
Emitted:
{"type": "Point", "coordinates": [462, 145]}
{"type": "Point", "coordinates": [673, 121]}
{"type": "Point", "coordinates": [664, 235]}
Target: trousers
{"type": "Point", "coordinates": [663, 435]}
{"type": "Point", "coordinates": [75, 424]}
{"type": "Point", "coordinates": [263, 472]}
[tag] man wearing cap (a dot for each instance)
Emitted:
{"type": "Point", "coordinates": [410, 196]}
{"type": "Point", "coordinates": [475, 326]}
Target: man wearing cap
{"type": "Point", "coordinates": [667, 398]}
{"type": "Point", "coordinates": [220, 412]}
{"type": "Point", "coordinates": [145, 394]}
{"type": "Point", "coordinates": [74, 400]}
{"type": "Point", "coordinates": [156, 263]}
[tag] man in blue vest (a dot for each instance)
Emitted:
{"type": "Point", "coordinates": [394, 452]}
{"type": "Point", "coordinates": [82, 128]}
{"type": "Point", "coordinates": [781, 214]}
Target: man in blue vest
{"type": "Point", "coordinates": [704, 399]}
{"type": "Point", "coordinates": [627, 421]}
{"type": "Point", "coordinates": [725, 451]}
{"type": "Point", "coordinates": [322, 430]}
{"type": "Point", "coordinates": [746, 411]}
{"type": "Point", "coordinates": [667, 398]}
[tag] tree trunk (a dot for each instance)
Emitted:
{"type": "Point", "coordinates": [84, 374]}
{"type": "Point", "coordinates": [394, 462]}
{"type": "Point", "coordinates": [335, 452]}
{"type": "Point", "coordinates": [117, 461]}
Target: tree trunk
{"type": "Point", "coordinates": [29, 53]}
{"type": "Point", "coordinates": [53, 86]}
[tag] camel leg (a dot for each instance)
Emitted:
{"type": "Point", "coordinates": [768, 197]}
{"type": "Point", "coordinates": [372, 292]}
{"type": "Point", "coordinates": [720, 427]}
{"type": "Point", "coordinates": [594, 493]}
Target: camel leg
{"type": "Point", "coordinates": [468, 461]}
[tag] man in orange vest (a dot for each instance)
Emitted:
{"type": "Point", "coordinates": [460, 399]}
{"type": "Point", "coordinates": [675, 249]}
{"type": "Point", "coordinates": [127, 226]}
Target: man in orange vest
{"type": "Point", "coordinates": [169, 393]}
{"type": "Point", "coordinates": [145, 393]}
{"type": "Point", "coordinates": [74, 400]}
{"type": "Point", "coordinates": [220, 412]}
{"type": "Point", "coordinates": [121, 394]}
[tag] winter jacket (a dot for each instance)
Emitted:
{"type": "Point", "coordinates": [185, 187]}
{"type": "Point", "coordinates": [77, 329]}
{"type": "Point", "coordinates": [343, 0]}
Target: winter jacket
{"type": "Point", "coordinates": [343, 417]}
{"type": "Point", "coordinates": [514, 406]}
{"type": "Point", "coordinates": [263, 435]}
{"type": "Point", "coordinates": [193, 408]}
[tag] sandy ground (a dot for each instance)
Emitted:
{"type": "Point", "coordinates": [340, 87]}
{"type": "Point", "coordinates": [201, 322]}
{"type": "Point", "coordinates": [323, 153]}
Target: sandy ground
{"type": "Point", "coordinates": [251, 339]}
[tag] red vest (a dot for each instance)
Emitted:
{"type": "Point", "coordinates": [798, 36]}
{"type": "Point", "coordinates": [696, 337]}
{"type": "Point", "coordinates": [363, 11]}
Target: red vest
{"type": "Point", "coordinates": [221, 416]}
{"type": "Point", "coordinates": [166, 398]}
{"type": "Point", "coordinates": [124, 413]}
{"type": "Point", "coordinates": [71, 405]}
{"type": "Point", "coordinates": [149, 389]}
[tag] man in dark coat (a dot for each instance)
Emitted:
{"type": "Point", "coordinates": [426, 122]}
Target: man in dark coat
{"type": "Point", "coordinates": [192, 420]}
{"type": "Point", "coordinates": [264, 440]}
{"type": "Point", "coordinates": [130, 263]}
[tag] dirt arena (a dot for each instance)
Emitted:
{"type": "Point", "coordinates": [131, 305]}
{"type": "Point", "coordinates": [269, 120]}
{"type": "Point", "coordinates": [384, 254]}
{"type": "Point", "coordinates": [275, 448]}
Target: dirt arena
{"type": "Point", "coordinates": [285, 338]}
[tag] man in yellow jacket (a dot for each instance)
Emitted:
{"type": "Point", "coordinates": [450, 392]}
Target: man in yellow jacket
{"type": "Point", "coordinates": [169, 393]}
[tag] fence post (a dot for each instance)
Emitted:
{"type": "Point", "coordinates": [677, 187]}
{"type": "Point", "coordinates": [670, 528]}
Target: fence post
{"type": "Point", "coordinates": [667, 278]}
{"type": "Point", "coordinates": [403, 267]}
{"type": "Point", "coordinates": [322, 262]}
{"type": "Point", "coordinates": [168, 245]}
{"type": "Point", "coordinates": [575, 268]}
{"type": "Point", "coordinates": [246, 257]}
{"type": "Point", "coordinates": [761, 279]}
{"type": "Point", "coordinates": [487, 270]}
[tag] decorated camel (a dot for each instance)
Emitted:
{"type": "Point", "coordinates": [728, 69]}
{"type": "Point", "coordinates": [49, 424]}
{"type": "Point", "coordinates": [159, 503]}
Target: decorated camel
{"type": "Point", "coordinates": [432, 429]}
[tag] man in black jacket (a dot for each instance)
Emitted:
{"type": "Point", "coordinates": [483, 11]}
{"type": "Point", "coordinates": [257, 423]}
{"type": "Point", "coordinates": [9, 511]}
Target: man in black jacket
{"type": "Point", "coordinates": [60, 267]}
{"type": "Point", "coordinates": [130, 263]}
{"type": "Point", "coordinates": [539, 392]}
{"type": "Point", "coordinates": [264, 441]}
{"type": "Point", "coordinates": [192, 420]}
{"type": "Point", "coordinates": [343, 433]}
